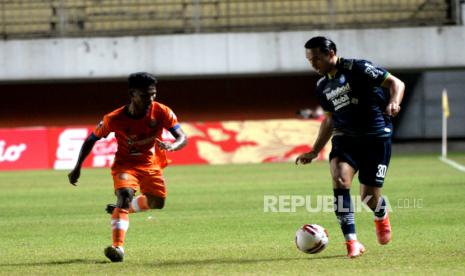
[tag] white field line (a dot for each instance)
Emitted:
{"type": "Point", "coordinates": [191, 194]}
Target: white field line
{"type": "Point", "coordinates": [453, 164]}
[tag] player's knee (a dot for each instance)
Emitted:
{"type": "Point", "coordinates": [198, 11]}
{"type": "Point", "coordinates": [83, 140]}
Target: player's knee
{"type": "Point", "coordinates": [124, 197]}
{"type": "Point", "coordinates": [341, 182]}
{"type": "Point", "coordinates": [156, 202]}
{"type": "Point", "coordinates": [125, 193]}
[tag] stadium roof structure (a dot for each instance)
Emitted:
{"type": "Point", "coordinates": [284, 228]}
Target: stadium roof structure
{"type": "Point", "coordinates": [91, 18]}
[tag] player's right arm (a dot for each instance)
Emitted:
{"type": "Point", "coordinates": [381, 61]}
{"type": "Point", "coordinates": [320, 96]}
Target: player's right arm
{"type": "Point", "coordinates": [102, 130]}
{"type": "Point", "coordinates": [324, 134]}
{"type": "Point", "coordinates": [86, 148]}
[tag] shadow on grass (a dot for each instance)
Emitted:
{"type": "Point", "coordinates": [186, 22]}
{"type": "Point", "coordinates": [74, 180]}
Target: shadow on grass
{"type": "Point", "coordinates": [62, 262]}
{"type": "Point", "coordinates": [239, 261]}
{"type": "Point", "coordinates": [175, 262]}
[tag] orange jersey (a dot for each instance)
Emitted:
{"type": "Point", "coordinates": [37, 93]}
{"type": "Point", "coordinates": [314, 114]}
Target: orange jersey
{"type": "Point", "coordinates": [136, 137]}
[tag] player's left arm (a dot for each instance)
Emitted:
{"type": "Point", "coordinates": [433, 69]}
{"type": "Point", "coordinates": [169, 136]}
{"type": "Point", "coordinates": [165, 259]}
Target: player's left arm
{"type": "Point", "coordinates": [396, 90]}
{"type": "Point", "coordinates": [179, 143]}
{"type": "Point", "coordinates": [170, 121]}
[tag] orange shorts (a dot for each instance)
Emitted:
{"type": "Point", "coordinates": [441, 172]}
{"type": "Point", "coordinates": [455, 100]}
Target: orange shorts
{"type": "Point", "coordinates": [147, 181]}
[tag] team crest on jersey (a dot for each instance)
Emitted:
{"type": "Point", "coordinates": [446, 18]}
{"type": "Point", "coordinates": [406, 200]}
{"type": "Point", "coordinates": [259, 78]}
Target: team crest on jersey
{"type": "Point", "coordinates": [123, 176]}
{"type": "Point", "coordinates": [342, 79]}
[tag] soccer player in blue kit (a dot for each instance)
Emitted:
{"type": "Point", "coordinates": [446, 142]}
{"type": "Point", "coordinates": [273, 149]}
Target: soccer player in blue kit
{"type": "Point", "coordinates": [359, 99]}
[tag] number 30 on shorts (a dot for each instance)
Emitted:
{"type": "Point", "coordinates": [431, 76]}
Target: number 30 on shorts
{"type": "Point", "coordinates": [382, 169]}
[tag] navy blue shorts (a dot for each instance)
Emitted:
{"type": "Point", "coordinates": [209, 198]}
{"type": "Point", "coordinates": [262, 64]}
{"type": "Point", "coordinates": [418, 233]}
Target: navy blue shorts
{"type": "Point", "coordinates": [369, 156]}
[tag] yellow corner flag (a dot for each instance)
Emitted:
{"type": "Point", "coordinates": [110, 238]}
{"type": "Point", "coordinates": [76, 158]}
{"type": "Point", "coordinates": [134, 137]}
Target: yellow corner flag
{"type": "Point", "coordinates": [445, 104]}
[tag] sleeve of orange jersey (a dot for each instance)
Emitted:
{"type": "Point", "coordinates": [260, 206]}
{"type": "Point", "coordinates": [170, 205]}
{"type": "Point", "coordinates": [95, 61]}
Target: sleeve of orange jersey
{"type": "Point", "coordinates": [168, 121]}
{"type": "Point", "coordinates": [102, 130]}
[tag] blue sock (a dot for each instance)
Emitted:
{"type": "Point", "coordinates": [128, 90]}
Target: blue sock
{"type": "Point", "coordinates": [380, 210]}
{"type": "Point", "coordinates": [345, 213]}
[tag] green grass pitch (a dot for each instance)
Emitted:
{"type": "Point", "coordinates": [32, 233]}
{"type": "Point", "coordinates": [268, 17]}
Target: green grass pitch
{"type": "Point", "coordinates": [214, 223]}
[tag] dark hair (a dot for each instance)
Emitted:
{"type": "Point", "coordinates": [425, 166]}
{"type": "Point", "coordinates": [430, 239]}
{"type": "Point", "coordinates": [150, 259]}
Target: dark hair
{"type": "Point", "coordinates": [323, 43]}
{"type": "Point", "coordinates": [141, 80]}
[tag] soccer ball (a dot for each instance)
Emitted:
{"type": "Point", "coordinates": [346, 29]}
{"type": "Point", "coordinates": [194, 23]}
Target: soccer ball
{"type": "Point", "coordinates": [311, 238]}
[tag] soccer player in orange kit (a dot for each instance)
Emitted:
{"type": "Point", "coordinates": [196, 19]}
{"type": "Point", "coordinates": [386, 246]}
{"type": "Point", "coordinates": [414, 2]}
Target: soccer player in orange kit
{"type": "Point", "coordinates": [138, 127]}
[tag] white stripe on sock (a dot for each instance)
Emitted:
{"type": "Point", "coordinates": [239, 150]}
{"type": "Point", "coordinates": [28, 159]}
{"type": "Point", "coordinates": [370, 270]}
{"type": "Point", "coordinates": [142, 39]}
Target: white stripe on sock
{"type": "Point", "coordinates": [350, 237]}
{"type": "Point", "coordinates": [120, 224]}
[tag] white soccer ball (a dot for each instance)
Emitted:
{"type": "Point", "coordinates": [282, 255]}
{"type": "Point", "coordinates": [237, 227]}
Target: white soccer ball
{"type": "Point", "coordinates": [311, 238]}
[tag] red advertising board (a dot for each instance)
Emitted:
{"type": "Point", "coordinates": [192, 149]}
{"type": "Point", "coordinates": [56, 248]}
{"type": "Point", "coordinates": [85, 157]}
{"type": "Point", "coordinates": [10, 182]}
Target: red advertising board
{"type": "Point", "coordinates": [23, 148]}
{"type": "Point", "coordinates": [209, 143]}
{"type": "Point", "coordinates": [65, 144]}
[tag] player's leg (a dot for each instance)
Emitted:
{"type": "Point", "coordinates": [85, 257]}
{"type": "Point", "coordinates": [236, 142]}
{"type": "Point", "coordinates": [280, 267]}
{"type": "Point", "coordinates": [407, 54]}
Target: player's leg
{"type": "Point", "coordinates": [343, 164]}
{"type": "Point", "coordinates": [141, 203]}
{"type": "Point", "coordinates": [373, 170]}
{"type": "Point", "coordinates": [342, 174]}
{"type": "Point", "coordinates": [154, 189]}
{"type": "Point", "coordinates": [138, 204]}
{"type": "Point", "coordinates": [374, 200]}
{"type": "Point", "coordinates": [156, 201]}
{"type": "Point", "coordinates": [125, 184]}
{"type": "Point", "coordinates": [153, 193]}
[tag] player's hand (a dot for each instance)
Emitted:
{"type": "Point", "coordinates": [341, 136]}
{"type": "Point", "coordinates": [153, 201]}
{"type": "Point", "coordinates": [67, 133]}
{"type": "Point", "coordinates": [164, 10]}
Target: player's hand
{"type": "Point", "coordinates": [165, 145]}
{"type": "Point", "coordinates": [73, 176]}
{"type": "Point", "coordinates": [306, 158]}
{"type": "Point", "coordinates": [393, 109]}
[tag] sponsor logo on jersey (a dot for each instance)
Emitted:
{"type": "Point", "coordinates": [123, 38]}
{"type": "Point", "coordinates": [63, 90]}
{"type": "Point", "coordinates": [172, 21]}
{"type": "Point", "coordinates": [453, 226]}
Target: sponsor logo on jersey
{"type": "Point", "coordinates": [341, 102]}
{"type": "Point", "coordinates": [339, 97]}
{"type": "Point", "coordinates": [337, 92]}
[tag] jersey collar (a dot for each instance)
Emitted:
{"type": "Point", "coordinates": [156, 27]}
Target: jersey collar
{"type": "Point", "coordinates": [338, 66]}
{"type": "Point", "coordinates": [126, 112]}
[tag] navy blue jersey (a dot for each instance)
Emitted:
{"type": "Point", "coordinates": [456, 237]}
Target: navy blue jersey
{"type": "Point", "coordinates": [355, 98]}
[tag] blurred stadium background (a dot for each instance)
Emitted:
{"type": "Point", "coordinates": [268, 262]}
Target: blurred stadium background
{"type": "Point", "coordinates": [65, 62]}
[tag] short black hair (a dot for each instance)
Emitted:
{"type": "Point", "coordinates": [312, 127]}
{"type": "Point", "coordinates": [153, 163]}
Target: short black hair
{"type": "Point", "coordinates": [141, 80]}
{"type": "Point", "coordinates": [321, 42]}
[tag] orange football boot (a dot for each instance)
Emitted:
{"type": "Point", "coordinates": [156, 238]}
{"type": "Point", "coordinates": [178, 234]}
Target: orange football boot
{"type": "Point", "coordinates": [383, 230]}
{"type": "Point", "coordinates": [354, 249]}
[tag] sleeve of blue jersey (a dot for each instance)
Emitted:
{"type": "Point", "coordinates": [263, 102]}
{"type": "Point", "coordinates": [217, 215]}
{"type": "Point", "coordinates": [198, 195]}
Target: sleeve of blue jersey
{"type": "Point", "coordinates": [369, 72]}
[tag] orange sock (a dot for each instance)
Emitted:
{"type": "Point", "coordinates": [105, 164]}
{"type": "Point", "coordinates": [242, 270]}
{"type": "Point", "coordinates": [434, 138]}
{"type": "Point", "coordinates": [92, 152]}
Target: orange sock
{"type": "Point", "coordinates": [139, 204]}
{"type": "Point", "coordinates": [119, 225]}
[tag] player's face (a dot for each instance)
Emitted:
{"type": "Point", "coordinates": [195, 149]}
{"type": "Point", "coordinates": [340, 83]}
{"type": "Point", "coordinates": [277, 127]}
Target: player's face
{"type": "Point", "coordinates": [320, 61]}
{"type": "Point", "coordinates": [144, 98]}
